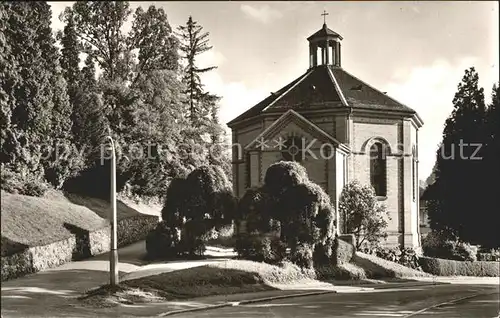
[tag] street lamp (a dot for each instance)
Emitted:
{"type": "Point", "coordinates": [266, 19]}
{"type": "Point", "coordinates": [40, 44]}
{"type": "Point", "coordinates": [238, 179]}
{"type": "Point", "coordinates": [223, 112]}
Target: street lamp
{"type": "Point", "coordinates": [113, 255]}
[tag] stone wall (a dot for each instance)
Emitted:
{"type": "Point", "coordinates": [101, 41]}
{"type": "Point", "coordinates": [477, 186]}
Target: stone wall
{"type": "Point", "coordinates": [82, 244]}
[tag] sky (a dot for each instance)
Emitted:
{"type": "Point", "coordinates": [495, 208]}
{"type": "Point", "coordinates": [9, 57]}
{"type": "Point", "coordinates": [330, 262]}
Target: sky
{"type": "Point", "coordinates": [415, 51]}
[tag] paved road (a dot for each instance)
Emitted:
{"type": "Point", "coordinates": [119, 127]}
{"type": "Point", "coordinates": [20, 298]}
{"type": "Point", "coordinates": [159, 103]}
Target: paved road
{"type": "Point", "coordinates": [475, 301]}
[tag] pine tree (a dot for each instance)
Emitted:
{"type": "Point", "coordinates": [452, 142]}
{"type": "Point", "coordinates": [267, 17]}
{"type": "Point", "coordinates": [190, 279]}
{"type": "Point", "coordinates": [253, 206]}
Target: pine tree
{"type": "Point", "coordinates": [203, 108]}
{"type": "Point", "coordinates": [458, 172]}
{"type": "Point", "coordinates": [193, 43]}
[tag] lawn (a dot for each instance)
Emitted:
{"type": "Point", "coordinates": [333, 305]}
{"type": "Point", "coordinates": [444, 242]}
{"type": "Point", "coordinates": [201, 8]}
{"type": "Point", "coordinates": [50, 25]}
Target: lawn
{"type": "Point", "coordinates": [376, 267]}
{"type": "Point", "coordinates": [228, 277]}
{"type": "Point", "coordinates": [32, 221]}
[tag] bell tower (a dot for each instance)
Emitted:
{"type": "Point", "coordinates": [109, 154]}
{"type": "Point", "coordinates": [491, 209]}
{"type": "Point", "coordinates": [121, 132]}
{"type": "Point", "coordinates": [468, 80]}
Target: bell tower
{"type": "Point", "coordinates": [324, 47]}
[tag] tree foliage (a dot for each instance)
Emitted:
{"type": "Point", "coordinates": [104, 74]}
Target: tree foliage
{"type": "Point", "coordinates": [199, 203]}
{"type": "Point", "coordinates": [131, 87]}
{"type": "Point", "coordinates": [466, 164]}
{"type": "Point", "coordinates": [35, 105]}
{"type": "Point", "coordinates": [291, 206]}
{"type": "Point", "coordinates": [364, 216]}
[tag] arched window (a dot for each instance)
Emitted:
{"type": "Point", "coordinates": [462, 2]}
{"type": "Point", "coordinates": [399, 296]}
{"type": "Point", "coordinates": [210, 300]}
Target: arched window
{"type": "Point", "coordinates": [378, 168]}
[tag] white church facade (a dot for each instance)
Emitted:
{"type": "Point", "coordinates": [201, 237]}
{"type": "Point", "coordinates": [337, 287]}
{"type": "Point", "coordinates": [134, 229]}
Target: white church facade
{"type": "Point", "coordinates": [340, 129]}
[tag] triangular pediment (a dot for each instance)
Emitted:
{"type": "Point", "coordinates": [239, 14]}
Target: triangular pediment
{"type": "Point", "coordinates": [292, 119]}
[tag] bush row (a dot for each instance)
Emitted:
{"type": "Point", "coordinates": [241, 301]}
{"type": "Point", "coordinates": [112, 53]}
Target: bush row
{"type": "Point", "coordinates": [20, 260]}
{"type": "Point", "coordinates": [405, 256]}
{"type": "Point", "coordinates": [441, 245]}
{"type": "Point", "coordinates": [446, 267]}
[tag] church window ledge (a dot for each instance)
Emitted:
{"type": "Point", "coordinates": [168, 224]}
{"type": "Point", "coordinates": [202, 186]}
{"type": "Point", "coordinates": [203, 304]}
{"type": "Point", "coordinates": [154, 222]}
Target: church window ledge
{"type": "Point", "coordinates": [381, 198]}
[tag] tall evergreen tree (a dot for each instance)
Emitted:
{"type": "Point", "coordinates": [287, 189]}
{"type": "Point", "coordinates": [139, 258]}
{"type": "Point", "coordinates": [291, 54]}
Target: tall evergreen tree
{"type": "Point", "coordinates": [203, 108]}
{"type": "Point", "coordinates": [70, 54]}
{"type": "Point", "coordinates": [35, 96]}
{"type": "Point", "coordinates": [488, 214]}
{"type": "Point", "coordinates": [458, 163]}
{"type": "Point", "coordinates": [193, 43]}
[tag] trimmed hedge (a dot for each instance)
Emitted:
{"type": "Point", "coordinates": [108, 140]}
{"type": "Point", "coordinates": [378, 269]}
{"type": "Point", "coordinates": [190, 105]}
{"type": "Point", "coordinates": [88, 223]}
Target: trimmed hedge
{"type": "Point", "coordinates": [135, 228]}
{"type": "Point", "coordinates": [445, 267]}
{"type": "Point", "coordinates": [83, 244]}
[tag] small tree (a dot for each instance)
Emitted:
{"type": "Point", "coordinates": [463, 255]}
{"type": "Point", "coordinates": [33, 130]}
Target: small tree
{"type": "Point", "coordinates": [363, 215]}
{"type": "Point", "coordinates": [208, 203]}
{"type": "Point", "coordinates": [299, 209]}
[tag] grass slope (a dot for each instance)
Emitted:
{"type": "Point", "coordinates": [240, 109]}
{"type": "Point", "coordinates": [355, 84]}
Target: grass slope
{"type": "Point", "coordinates": [229, 277]}
{"type": "Point", "coordinates": [32, 221]}
{"type": "Point", "coordinates": [376, 267]}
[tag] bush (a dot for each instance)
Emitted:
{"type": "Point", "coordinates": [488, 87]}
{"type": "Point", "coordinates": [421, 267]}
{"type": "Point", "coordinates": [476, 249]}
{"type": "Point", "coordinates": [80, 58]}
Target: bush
{"type": "Point", "coordinates": [162, 242]}
{"type": "Point", "coordinates": [260, 248]}
{"type": "Point", "coordinates": [440, 245]}
{"type": "Point", "coordinates": [282, 175]}
{"type": "Point", "coordinates": [343, 252]}
{"type": "Point", "coordinates": [403, 256]}
{"type": "Point", "coordinates": [247, 246]}
{"type": "Point", "coordinates": [489, 255]}
{"type": "Point", "coordinates": [14, 183]}
{"type": "Point", "coordinates": [302, 255]}
{"type": "Point", "coordinates": [446, 267]}
{"type": "Point", "coordinates": [175, 199]}
{"type": "Point", "coordinates": [363, 214]}
{"type": "Point", "coordinates": [323, 253]}
{"type": "Point", "coordinates": [254, 207]}
{"type": "Point", "coordinates": [346, 271]}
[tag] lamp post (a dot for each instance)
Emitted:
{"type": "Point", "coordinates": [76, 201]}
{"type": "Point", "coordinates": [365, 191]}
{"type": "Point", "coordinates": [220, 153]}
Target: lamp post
{"type": "Point", "coordinates": [113, 255]}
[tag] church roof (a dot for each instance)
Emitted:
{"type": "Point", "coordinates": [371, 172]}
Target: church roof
{"type": "Point", "coordinates": [324, 32]}
{"type": "Point", "coordinates": [323, 87]}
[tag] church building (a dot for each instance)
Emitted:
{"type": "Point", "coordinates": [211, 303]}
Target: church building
{"type": "Point", "coordinates": [340, 129]}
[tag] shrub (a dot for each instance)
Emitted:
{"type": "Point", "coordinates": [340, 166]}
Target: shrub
{"type": "Point", "coordinates": [306, 213]}
{"type": "Point", "coordinates": [446, 267]}
{"type": "Point", "coordinates": [162, 242]}
{"type": "Point", "coordinates": [260, 248]}
{"type": "Point", "coordinates": [364, 215]}
{"type": "Point", "coordinates": [403, 256]}
{"type": "Point", "coordinates": [175, 199]}
{"type": "Point", "coordinates": [247, 246]}
{"type": "Point", "coordinates": [441, 245]}
{"type": "Point", "coordinates": [14, 183]}
{"type": "Point", "coordinates": [345, 271]}
{"type": "Point", "coordinates": [198, 204]}
{"type": "Point", "coordinates": [343, 252]}
{"type": "Point", "coordinates": [302, 255]}
{"type": "Point", "coordinates": [489, 255]}
{"type": "Point", "coordinates": [323, 253]}
{"type": "Point", "coordinates": [282, 175]}
{"type": "Point", "coordinates": [254, 207]}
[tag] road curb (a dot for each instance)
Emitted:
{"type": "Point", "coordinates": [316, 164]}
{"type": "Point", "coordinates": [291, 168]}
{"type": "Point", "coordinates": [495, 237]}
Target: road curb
{"type": "Point", "coordinates": [399, 285]}
{"type": "Point", "coordinates": [315, 293]}
{"type": "Point", "coordinates": [244, 302]}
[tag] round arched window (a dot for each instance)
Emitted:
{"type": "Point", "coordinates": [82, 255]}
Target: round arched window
{"type": "Point", "coordinates": [293, 149]}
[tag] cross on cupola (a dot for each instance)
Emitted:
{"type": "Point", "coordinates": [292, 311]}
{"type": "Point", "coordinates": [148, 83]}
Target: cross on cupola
{"type": "Point", "coordinates": [324, 46]}
{"type": "Point", "coordinates": [324, 14]}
